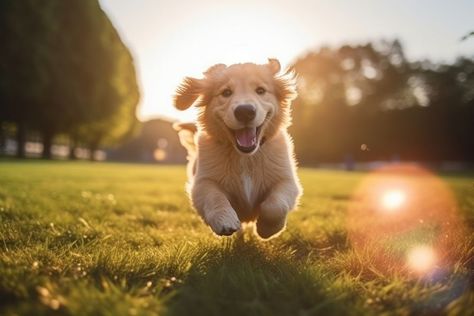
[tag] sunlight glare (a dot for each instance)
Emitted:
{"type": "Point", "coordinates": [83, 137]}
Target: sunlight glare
{"type": "Point", "coordinates": [408, 219]}
{"type": "Point", "coordinates": [421, 259]}
{"type": "Point", "coordinates": [228, 34]}
{"type": "Point", "coordinates": [393, 199]}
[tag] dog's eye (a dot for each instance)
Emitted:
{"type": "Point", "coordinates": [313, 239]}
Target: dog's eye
{"type": "Point", "coordinates": [260, 90]}
{"type": "Point", "coordinates": [226, 93]}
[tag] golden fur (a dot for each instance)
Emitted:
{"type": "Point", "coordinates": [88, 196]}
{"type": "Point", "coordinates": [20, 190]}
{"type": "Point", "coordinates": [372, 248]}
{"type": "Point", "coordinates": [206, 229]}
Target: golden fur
{"type": "Point", "coordinates": [228, 186]}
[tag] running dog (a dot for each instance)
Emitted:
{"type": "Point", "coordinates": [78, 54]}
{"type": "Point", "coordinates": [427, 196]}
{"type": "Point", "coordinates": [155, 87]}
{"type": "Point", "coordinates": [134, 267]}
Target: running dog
{"type": "Point", "coordinates": [241, 163]}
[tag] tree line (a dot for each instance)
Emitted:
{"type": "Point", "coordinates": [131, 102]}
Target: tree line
{"type": "Point", "coordinates": [64, 70]}
{"type": "Point", "coordinates": [368, 102]}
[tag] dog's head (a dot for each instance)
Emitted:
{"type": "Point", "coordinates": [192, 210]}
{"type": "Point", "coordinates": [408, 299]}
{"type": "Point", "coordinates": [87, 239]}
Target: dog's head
{"type": "Point", "coordinates": [242, 104]}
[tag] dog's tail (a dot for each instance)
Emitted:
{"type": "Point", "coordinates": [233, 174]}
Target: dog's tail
{"type": "Point", "coordinates": [186, 133]}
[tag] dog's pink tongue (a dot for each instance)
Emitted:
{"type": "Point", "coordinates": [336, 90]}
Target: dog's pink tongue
{"type": "Point", "coordinates": [246, 137]}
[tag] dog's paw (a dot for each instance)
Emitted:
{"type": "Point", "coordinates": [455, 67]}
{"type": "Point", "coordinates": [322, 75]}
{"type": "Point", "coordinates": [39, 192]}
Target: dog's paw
{"type": "Point", "coordinates": [272, 218]}
{"type": "Point", "coordinates": [266, 230]}
{"type": "Point", "coordinates": [274, 210]}
{"type": "Point", "coordinates": [224, 223]}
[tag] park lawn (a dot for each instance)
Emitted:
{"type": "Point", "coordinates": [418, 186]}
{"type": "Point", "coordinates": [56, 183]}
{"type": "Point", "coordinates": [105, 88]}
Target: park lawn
{"type": "Point", "coordinates": [80, 238]}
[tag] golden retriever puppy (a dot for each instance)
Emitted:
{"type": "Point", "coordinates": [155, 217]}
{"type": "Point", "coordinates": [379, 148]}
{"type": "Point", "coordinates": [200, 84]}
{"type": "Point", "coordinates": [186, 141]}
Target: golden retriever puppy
{"type": "Point", "coordinates": [241, 163]}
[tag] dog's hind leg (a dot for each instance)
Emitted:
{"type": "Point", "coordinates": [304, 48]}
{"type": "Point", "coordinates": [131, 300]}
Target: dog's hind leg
{"type": "Point", "coordinates": [186, 133]}
{"type": "Point", "coordinates": [274, 209]}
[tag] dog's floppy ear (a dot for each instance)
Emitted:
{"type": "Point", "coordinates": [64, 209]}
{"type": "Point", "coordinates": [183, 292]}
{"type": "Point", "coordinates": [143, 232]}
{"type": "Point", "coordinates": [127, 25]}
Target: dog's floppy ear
{"type": "Point", "coordinates": [274, 65]}
{"type": "Point", "coordinates": [187, 93]}
{"type": "Point", "coordinates": [191, 89]}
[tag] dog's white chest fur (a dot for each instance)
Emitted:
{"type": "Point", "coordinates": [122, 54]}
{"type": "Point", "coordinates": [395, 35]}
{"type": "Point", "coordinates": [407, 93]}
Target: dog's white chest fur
{"type": "Point", "coordinates": [248, 187]}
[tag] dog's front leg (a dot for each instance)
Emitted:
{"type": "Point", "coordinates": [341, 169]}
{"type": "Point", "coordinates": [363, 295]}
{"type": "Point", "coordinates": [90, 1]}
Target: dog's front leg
{"type": "Point", "coordinates": [214, 207]}
{"type": "Point", "coordinates": [274, 209]}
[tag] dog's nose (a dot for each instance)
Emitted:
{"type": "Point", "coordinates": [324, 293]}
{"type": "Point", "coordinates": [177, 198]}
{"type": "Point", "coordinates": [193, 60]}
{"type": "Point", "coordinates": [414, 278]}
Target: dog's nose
{"type": "Point", "coordinates": [245, 113]}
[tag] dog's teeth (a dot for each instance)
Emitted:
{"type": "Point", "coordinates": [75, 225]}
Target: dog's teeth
{"type": "Point", "coordinates": [246, 137]}
{"type": "Point", "coordinates": [253, 142]}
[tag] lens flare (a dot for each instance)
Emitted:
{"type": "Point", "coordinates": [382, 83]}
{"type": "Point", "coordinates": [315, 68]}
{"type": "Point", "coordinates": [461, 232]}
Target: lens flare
{"type": "Point", "coordinates": [393, 199]}
{"type": "Point", "coordinates": [421, 259]}
{"type": "Point", "coordinates": [404, 219]}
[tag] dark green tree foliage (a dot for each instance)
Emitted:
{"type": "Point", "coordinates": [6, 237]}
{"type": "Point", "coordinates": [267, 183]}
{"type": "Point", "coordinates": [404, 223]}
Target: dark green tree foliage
{"type": "Point", "coordinates": [368, 102]}
{"type": "Point", "coordinates": [62, 68]}
{"type": "Point", "coordinates": [23, 79]}
{"type": "Point", "coordinates": [122, 123]}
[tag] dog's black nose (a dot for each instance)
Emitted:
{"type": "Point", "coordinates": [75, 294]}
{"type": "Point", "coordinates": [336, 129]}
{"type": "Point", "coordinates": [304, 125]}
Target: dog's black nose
{"type": "Point", "coordinates": [245, 113]}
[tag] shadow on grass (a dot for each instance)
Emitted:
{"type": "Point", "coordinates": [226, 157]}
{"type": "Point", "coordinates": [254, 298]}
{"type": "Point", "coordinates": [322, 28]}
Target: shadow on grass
{"type": "Point", "coordinates": [248, 277]}
{"type": "Point", "coordinates": [324, 246]}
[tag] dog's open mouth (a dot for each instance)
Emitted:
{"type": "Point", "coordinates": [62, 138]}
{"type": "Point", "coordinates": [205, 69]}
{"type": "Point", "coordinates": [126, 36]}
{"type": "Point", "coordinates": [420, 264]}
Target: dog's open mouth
{"type": "Point", "coordinates": [247, 138]}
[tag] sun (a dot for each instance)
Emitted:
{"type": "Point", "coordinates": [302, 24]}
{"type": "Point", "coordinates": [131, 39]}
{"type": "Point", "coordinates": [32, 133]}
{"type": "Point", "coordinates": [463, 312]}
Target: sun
{"type": "Point", "coordinates": [229, 33]}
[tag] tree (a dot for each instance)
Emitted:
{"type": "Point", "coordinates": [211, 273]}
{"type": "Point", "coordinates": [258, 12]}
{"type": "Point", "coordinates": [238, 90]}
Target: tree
{"type": "Point", "coordinates": [89, 53]}
{"type": "Point", "coordinates": [123, 92]}
{"type": "Point", "coordinates": [370, 94]}
{"type": "Point", "coordinates": [341, 93]}
{"type": "Point", "coordinates": [22, 59]}
{"type": "Point", "coordinates": [63, 68]}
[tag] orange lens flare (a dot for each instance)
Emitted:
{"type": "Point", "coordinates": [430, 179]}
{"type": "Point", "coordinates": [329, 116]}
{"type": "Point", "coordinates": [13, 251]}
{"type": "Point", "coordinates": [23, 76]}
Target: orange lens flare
{"type": "Point", "coordinates": [393, 200]}
{"type": "Point", "coordinates": [404, 219]}
{"type": "Point", "coordinates": [421, 259]}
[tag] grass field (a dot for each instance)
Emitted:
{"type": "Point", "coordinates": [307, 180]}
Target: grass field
{"type": "Point", "coordinates": [79, 238]}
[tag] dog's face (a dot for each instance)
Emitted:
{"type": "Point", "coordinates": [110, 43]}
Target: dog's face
{"type": "Point", "coordinates": [242, 104]}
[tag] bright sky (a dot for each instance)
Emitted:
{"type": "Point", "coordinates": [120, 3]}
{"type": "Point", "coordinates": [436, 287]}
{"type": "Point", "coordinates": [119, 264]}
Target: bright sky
{"type": "Point", "coordinates": [170, 39]}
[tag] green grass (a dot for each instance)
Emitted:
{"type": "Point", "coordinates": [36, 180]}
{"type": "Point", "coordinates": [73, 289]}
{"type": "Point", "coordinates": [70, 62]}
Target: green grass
{"type": "Point", "coordinates": [120, 239]}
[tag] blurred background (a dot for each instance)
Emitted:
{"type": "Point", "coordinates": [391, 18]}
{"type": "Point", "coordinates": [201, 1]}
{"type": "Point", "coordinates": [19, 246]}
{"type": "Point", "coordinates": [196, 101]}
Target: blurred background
{"type": "Point", "coordinates": [378, 82]}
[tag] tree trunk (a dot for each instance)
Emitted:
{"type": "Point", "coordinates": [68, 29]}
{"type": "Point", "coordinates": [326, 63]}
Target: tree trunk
{"type": "Point", "coordinates": [3, 139]}
{"type": "Point", "coordinates": [72, 148]}
{"type": "Point", "coordinates": [92, 149]}
{"type": "Point", "coordinates": [47, 144]}
{"type": "Point", "coordinates": [93, 146]}
{"type": "Point", "coordinates": [20, 140]}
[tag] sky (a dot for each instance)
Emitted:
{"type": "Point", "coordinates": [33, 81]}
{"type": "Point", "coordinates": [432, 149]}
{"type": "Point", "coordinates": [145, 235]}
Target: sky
{"type": "Point", "coordinates": [171, 39]}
